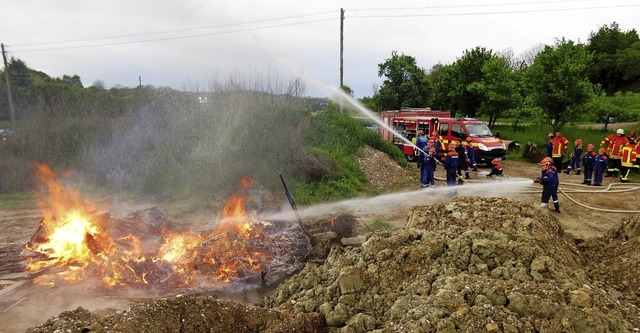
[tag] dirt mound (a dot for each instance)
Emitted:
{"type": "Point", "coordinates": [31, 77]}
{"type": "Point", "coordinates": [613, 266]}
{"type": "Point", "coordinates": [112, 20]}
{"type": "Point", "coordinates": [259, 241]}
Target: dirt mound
{"type": "Point", "coordinates": [183, 314]}
{"type": "Point", "coordinates": [613, 261]}
{"type": "Point", "coordinates": [469, 264]}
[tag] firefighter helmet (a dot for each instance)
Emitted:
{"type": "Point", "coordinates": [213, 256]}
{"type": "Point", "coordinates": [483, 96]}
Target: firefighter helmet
{"type": "Point", "coordinates": [545, 161]}
{"type": "Point", "coordinates": [495, 161]}
{"type": "Point", "coordinates": [619, 131]}
{"type": "Point", "coordinates": [578, 141]}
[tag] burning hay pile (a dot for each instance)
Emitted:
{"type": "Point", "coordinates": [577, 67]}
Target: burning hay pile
{"type": "Point", "coordinates": [74, 244]}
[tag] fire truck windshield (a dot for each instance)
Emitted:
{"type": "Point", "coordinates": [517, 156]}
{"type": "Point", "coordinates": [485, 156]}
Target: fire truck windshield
{"type": "Point", "coordinates": [478, 130]}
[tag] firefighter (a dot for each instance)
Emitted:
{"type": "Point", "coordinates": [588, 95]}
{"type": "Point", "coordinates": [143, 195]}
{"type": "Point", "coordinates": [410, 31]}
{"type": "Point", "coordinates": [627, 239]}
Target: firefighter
{"type": "Point", "coordinates": [560, 144]}
{"type": "Point", "coordinates": [462, 161]}
{"type": "Point", "coordinates": [471, 155]}
{"type": "Point", "coordinates": [627, 160]}
{"type": "Point", "coordinates": [615, 153]}
{"type": "Point", "coordinates": [632, 135]}
{"type": "Point", "coordinates": [574, 157]}
{"type": "Point", "coordinates": [496, 169]}
{"type": "Point", "coordinates": [549, 145]}
{"type": "Point", "coordinates": [550, 182]}
{"type": "Point", "coordinates": [588, 160]}
{"type": "Point", "coordinates": [637, 153]}
{"type": "Point", "coordinates": [427, 172]}
{"type": "Point", "coordinates": [606, 142]}
{"type": "Point", "coordinates": [421, 140]}
{"type": "Point", "coordinates": [600, 165]}
{"type": "Point", "coordinates": [451, 165]}
{"type": "Point", "coordinates": [436, 142]}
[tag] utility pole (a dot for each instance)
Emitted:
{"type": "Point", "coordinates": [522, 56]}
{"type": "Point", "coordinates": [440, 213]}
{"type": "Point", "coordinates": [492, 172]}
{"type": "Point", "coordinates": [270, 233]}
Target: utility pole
{"type": "Point", "coordinates": [9, 94]}
{"type": "Point", "coordinates": [139, 81]}
{"type": "Point", "coordinates": [341, 51]}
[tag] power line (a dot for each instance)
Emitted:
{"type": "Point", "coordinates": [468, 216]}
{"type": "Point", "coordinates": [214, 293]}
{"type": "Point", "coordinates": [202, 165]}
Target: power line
{"type": "Point", "coordinates": [173, 38]}
{"type": "Point", "coordinates": [471, 6]}
{"type": "Point", "coordinates": [175, 30]}
{"type": "Point", "coordinates": [491, 13]}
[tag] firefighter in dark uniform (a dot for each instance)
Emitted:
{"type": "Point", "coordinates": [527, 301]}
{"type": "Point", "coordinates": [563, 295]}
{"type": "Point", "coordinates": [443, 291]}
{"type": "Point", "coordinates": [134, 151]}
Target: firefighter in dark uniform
{"type": "Point", "coordinates": [550, 182]}
{"type": "Point", "coordinates": [600, 165]}
{"type": "Point", "coordinates": [588, 161]}
{"type": "Point", "coordinates": [451, 165]}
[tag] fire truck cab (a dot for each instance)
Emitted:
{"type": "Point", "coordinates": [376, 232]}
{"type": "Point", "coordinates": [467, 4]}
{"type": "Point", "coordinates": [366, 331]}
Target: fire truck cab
{"type": "Point", "coordinates": [407, 123]}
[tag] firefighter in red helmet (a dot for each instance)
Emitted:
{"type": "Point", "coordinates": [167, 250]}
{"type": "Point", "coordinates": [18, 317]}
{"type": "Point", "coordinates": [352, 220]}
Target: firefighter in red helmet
{"type": "Point", "coordinates": [550, 182]}
{"type": "Point", "coordinates": [496, 169]}
{"type": "Point", "coordinates": [451, 165]}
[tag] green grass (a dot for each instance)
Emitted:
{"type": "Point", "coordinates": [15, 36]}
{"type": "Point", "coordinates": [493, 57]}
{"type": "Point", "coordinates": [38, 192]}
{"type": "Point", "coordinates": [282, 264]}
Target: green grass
{"type": "Point", "coordinates": [337, 137]}
{"type": "Point", "coordinates": [537, 133]}
{"type": "Point", "coordinates": [378, 224]}
{"type": "Point", "coordinates": [17, 201]}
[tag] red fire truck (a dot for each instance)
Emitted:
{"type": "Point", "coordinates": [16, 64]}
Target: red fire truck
{"type": "Point", "coordinates": [408, 122]}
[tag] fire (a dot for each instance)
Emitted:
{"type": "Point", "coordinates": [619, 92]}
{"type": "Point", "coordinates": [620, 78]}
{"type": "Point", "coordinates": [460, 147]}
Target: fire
{"type": "Point", "coordinates": [86, 246]}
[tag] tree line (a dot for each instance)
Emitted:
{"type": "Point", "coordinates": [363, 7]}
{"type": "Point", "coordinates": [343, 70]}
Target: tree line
{"type": "Point", "coordinates": [565, 82]}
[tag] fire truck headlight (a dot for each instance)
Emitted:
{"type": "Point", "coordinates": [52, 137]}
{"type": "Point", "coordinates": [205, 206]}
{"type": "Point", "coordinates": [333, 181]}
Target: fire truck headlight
{"type": "Point", "coordinates": [483, 147]}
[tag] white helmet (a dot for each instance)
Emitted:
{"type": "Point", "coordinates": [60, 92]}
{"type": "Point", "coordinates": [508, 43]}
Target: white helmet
{"type": "Point", "coordinates": [619, 131]}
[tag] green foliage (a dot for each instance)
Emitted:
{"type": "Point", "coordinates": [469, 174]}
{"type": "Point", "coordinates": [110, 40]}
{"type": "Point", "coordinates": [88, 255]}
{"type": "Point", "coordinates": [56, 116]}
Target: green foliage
{"type": "Point", "coordinates": [616, 57]}
{"type": "Point", "coordinates": [405, 83]}
{"type": "Point", "coordinates": [464, 72]}
{"type": "Point", "coordinates": [337, 137]}
{"type": "Point", "coordinates": [498, 89]}
{"type": "Point", "coordinates": [558, 82]}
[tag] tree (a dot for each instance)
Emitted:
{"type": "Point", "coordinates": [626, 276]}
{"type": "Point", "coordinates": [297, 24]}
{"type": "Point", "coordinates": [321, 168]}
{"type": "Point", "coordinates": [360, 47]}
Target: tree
{"type": "Point", "coordinates": [497, 90]}
{"type": "Point", "coordinates": [405, 85]}
{"type": "Point", "coordinates": [558, 82]}
{"type": "Point", "coordinates": [616, 57]}
{"type": "Point", "coordinates": [465, 71]}
{"type": "Point", "coordinates": [440, 77]}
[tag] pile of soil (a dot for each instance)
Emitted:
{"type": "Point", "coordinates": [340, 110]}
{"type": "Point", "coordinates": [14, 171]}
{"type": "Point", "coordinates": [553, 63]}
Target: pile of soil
{"type": "Point", "coordinates": [470, 264]}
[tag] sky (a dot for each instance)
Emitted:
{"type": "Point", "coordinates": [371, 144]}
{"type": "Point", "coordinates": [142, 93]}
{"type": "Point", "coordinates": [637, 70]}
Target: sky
{"type": "Point", "coordinates": [188, 44]}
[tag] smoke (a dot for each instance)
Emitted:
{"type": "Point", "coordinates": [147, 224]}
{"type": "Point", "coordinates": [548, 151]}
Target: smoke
{"type": "Point", "coordinates": [186, 144]}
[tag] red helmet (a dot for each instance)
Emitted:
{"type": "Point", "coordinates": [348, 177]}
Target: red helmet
{"type": "Point", "coordinates": [578, 141]}
{"type": "Point", "coordinates": [495, 161]}
{"type": "Point", "coordinates": [545, 161]}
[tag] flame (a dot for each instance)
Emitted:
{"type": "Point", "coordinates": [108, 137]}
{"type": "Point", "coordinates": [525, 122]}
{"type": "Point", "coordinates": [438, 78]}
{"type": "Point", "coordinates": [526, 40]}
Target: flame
{"type": "Point", "coordinates": [88, 246]}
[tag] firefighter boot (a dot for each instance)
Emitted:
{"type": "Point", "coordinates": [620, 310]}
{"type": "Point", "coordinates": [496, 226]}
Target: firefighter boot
{"type": "Point", "coordinates": [568, 170]}
{"type": "Point", "coordinates": [466, 175]}
{"type": "Point", "coordinates": [578, 172]}
{"type": "Point", "coordinates": [556, 205]}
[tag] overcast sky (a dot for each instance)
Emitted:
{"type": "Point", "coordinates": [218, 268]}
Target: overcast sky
{"type": "Point", "coordinates": [182, 43]}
